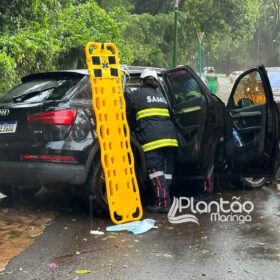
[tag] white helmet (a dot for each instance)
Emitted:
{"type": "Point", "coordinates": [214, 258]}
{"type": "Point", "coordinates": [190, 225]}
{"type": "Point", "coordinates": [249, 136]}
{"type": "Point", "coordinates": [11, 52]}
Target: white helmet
{"type": "Point", "coordinates": [149, 73]}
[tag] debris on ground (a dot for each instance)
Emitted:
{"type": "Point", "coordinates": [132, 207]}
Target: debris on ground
{"type": "Point", "coordinates": [18, 230]}
{"type": "Point", "coordinates": [82, 271]}
{"type": "Point", "coordinates": [53, 266]}
{"type": "Point", "coordinates": [96, 232]}
{"type": "Point", "coordinates": [137, 227]}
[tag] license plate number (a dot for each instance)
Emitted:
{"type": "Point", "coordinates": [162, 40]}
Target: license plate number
{"type": "Point", "coordinates": [8, 127]}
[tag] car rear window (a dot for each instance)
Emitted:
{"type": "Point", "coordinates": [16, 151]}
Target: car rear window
{"type": "Point", "coordinates": [40, 90]}
{"type": "Point", "coordinates": [274, 78]}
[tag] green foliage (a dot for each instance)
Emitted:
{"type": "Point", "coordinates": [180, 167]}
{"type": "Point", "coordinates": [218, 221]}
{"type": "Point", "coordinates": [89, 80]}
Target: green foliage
{"type": "Point", "coordinates": [8, 76]}
{"type": "Point", "coordinates": [55, 37]}
{"type": "Point", "coordinates": [80, 24]}
{"type": "Point", "coordinates": [149, 37]}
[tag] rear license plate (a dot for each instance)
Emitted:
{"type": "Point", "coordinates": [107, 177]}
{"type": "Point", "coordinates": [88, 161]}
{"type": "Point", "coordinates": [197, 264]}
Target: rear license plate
{"type": "Point", "coordinates": [8, 126]}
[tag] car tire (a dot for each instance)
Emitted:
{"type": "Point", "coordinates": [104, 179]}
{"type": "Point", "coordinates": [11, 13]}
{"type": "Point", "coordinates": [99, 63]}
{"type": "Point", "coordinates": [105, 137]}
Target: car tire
{"type": "Point", "coordinates": [96, 190]}
{"type": "Point", "coordinates": [249, 183]}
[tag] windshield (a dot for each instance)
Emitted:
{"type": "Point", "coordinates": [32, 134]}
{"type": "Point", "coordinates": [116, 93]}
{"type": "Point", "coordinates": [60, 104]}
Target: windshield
{"type": "Point", "coordinates": [39, 90]}
{"type": "Point", "coordinates": [274, 78]}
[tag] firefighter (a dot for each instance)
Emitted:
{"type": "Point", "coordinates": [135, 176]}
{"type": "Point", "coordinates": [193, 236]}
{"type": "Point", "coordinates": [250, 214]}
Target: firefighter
{"type": "Point", "coordinates": [156, 134]}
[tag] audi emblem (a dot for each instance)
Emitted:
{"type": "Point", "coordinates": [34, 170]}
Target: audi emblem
{"type": "Point", "coordinates": [4, 112]}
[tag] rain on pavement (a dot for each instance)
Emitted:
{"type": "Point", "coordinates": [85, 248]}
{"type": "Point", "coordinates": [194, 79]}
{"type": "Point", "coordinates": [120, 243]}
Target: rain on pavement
{"type": "Point", "coordinates": [210, 250]}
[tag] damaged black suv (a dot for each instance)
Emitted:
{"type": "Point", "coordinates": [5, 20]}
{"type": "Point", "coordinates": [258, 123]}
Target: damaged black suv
{"type": "Point", "coordinates": [48, 137]}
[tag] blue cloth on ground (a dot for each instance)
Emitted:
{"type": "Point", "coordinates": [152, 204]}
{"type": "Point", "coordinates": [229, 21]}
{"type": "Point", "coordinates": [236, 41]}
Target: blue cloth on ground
{"type": "Point", "coordinates": [135, 227]}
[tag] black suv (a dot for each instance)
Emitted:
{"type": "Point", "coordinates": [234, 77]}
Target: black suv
{"type": "Point", "coordinates": [48, 137]}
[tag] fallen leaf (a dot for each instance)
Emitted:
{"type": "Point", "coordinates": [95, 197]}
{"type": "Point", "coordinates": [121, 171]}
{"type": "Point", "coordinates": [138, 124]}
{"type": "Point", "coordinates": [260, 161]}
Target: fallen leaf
{"type": "Point", "coordinates": [167, 256]}
{"type": "Point", "coordinates": [107, 237]}
{"type": "Point", "coordinates": [124, 240]}
{"type": "Point", "coordinates": [82, 271]}
{"type": "Point", "coordinates": [53, 266]}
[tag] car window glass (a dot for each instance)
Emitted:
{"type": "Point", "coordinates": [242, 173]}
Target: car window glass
{"type": "Point", "coordinates": [39, 90]}
{"type": "Point", "coordinates": [274, 78]}
{"type": "Point", "coordinates": [131, 84]}
{"type": "Point", "coordinates": [84, 93]}
{"type": "Point", "coordinates": [249, 91]}
{"type": "Point", "coordinates": [183, 86]}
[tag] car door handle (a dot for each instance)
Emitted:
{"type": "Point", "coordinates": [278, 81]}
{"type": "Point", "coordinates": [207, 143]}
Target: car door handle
{"type": "Point", "coordinates": [236, 115]}
{"type": "Point", "coordinates": [249, 129]}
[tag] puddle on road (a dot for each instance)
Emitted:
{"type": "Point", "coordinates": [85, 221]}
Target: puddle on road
{"type": "Point", "coordinates": [18, 229]}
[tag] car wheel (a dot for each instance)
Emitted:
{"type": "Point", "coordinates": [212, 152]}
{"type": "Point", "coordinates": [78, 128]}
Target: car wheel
{"type": "Point", "coordinates": [96, 190]}
{"type": "Point", "coordinates": [249, 183]}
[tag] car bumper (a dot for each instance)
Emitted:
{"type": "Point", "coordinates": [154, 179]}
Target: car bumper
{"type": "Point", "coordinates": [42, 174]}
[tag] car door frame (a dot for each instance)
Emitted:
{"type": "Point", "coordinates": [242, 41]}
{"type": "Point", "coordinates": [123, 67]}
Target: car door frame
{"type": "Point", "coordinates": [213, 110]}
{"type": "Point", "coordinates": [259, 154]}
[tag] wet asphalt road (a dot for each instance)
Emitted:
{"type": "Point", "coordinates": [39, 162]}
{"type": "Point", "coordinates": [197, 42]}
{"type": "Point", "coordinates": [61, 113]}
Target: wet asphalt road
{"type": "Point", "coordinates": [210, 250]}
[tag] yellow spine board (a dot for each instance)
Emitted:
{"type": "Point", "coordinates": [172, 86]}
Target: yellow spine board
{"type": "Point", "coordinates": [113, 132]}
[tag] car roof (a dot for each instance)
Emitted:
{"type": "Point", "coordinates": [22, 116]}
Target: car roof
{"type": "Point", "coordinates": [130, 70]}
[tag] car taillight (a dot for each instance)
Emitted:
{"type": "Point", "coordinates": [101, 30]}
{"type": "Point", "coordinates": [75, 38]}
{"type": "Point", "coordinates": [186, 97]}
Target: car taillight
{"type": "Point", "coordinates": [53, 158]}
{"type": "Point", "coordinates": [60, 117]}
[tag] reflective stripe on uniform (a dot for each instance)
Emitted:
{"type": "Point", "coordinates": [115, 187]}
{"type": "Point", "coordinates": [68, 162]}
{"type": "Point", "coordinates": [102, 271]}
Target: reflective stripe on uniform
{"type": "Point", "coordinates": [168, 176]}
{"type": "Point", "coordinates": [152, 112]}
{"type": "Point", "coordinates": [159, 143]}
{"type": "Point", "coordinates": [156, 174]}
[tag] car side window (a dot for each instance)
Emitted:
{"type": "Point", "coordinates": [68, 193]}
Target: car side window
{"type": "Point", "coordinates": [249, 91]}
{"type": "Point", "coordinates": [183, 86]}
{"type": "Point", "coordinates": [84, 93]}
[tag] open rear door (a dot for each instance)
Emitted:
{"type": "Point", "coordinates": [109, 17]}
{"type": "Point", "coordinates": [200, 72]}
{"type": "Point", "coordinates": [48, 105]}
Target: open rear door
{"type": "Point", "coordinates": [251, 135]}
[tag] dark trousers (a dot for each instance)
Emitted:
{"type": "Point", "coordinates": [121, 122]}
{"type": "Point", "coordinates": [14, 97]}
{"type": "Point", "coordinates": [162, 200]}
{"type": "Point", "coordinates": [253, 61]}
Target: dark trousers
{"type": "Point", "coordinates": [160, 165]}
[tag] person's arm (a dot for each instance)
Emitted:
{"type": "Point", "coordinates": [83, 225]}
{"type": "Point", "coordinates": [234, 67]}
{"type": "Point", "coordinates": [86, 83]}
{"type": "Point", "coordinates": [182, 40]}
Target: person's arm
{"type": "Point", "coordinates": [205, 80]}
{"type": "Point", "coordinates": [217, 83]}
{"type": "Point", "coordinates": [130, 109]}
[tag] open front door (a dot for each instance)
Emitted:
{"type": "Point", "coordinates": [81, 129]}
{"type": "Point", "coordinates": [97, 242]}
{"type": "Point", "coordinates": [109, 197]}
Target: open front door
{"type": "Point", "coordinates": [198, 117]}
{"type": "Point", "coordinates": [252, 125]}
